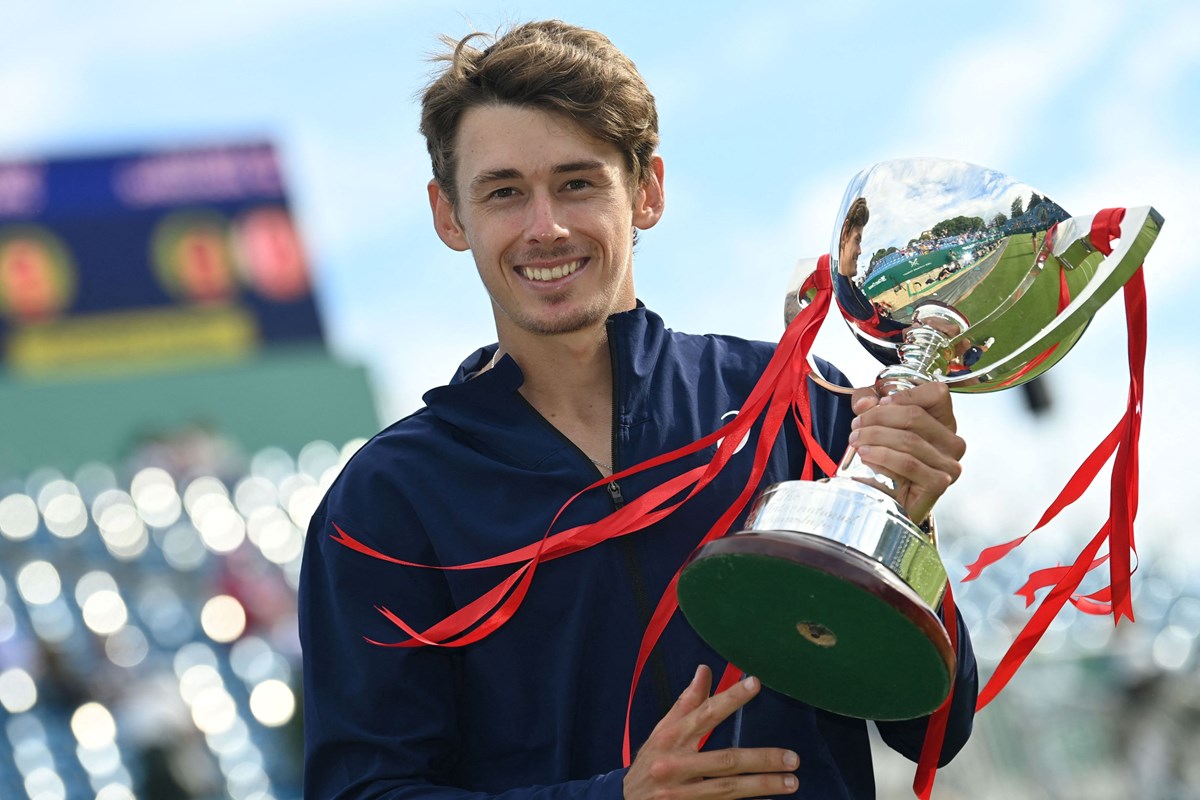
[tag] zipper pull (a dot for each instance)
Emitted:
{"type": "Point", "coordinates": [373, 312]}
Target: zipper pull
{"type": "Point", "coordinates": [614, 492]}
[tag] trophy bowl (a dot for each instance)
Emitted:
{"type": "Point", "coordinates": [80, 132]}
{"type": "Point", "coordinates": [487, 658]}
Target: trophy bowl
{"type": "Point", "coordinates": [944, 271]}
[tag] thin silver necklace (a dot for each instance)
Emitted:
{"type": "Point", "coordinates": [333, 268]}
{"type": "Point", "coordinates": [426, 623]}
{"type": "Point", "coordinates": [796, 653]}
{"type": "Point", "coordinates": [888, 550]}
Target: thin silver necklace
{"type": "Point", "coordinates": [595, 461]}
{"type": "Point", "coordinates": [600, 464]}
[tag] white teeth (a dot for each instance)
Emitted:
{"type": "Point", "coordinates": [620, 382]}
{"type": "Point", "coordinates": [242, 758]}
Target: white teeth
{"type": "Point", "coordinates": [549, 273]}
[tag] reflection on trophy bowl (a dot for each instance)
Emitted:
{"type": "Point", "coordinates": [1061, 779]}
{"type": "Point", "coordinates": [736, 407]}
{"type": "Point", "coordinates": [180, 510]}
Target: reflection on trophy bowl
{"type": "Point", "coordinates": [829, 594]}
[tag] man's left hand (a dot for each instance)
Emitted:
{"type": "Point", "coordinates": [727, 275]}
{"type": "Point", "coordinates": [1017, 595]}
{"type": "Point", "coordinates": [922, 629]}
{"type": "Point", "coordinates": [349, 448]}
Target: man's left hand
{"type": "Point", "coordinates": [911, 436]}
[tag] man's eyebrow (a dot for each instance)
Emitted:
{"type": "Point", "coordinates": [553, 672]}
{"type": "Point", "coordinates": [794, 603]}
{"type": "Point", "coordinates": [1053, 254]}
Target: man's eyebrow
{"type": "Point", "coordinates": [578, 166]}
{"type": "Point", "coordinates": [511, 174]}
{"type": "Point", "coordinates": [493, 175]}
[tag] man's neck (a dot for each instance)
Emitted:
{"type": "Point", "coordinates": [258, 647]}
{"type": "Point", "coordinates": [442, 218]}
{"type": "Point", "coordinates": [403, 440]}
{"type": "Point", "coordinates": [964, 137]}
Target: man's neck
{"type": "Point", "coordinates": [568, 379]}
{"type": "Point", "coordinates": [564, 372]}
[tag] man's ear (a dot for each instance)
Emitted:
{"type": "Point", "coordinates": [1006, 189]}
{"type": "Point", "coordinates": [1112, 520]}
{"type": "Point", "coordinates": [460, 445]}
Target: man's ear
{"type": "Point", "coordinates": [649, 199]}
{"type": "Point", "coordinates": [445, 221]}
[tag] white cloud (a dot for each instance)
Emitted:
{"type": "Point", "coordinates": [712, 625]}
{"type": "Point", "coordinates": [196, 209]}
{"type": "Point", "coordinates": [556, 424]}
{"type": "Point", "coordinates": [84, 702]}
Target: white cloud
{"type": "Point", "coordinates": [39, 95]}
{"type": "Point", "coordinates": [143, 28]}
{"type": "Point", "coordinates": [357, 190]}
{"type": "Point", "coordinates": [991, 93]}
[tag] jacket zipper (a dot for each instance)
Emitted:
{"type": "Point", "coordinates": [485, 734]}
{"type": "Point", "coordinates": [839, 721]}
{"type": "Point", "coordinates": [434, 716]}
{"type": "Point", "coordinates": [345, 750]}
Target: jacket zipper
{"type": "Point", "coordinates": [657, 673]}
{"type": "Point", "coordinates": [657, 667]}
{"type": "Point", "coordinates": [614, 488]}
{"type": "Point", "coordinates": [614, 492]}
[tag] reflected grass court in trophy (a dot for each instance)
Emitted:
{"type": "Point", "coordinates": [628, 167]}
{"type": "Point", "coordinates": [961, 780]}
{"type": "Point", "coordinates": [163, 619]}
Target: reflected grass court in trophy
{"type": "Point", "coordinates": [945, 271]}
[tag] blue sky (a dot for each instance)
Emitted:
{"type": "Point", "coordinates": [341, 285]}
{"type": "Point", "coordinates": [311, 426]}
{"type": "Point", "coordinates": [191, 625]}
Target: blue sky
{"type": "Point", "coordinates": [767, 109]}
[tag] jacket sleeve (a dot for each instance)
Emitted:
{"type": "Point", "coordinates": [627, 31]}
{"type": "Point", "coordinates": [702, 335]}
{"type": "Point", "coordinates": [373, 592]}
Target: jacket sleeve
{"type": "Point", "coordinates": [384, 722]}
{"type": "Point", "coordinates": [908, 736]}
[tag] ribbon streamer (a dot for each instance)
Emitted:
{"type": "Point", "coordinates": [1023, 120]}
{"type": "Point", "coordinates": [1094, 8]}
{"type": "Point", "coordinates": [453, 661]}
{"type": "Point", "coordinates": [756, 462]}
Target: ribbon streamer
{"type": "Point", "coordinates": [782, 389]}
{"type": "Point", "coordinates": [1121, 445]}
{"type": "Point", "coordinates": [935, 734]}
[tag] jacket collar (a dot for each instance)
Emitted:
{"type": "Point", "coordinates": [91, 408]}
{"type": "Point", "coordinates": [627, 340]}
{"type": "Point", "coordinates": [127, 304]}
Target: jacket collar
{"type": "Point", "coordinates": [490, 409]}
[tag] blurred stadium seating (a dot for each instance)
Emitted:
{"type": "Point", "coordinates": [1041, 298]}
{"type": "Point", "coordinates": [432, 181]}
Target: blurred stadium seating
{"type": "Point", "coordinates": [1097, 712]}
{"type": "Point", "coordinates": [148, 643]}
{"type": "Point", "coordinates": [148, 646]}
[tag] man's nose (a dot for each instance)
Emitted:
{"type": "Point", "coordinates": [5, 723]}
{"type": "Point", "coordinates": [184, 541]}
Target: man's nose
{"type": "Point", "coordinates": [544, 224]}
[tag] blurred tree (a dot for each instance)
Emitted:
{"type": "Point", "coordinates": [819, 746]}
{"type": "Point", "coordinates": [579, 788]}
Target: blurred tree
{"type": "Point", "coordinates": [880, 253]}
{"type": "Point", "coordinates": [957, 225]}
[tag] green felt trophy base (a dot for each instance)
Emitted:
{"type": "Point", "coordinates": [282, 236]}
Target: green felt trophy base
{"type": "Point", "coordinates": [820, 622]}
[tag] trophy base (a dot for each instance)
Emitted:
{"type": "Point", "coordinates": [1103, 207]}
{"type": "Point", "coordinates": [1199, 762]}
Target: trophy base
{"type": "Point", "coordinates": [820, 620]}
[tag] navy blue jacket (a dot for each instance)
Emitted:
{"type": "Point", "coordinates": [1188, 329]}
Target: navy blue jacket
{"type": "Point", "coordinates": [537, 709]}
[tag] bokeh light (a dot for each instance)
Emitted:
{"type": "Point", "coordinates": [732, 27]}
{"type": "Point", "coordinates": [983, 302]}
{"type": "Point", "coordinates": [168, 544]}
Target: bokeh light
{"type": "Point", "coordinates": [18, 693]}
{"type": "Point", "coordinates": [272, 703]}
{"type": "Point", "coordinates": [154, 495]}
{"type": "Point", "coordinates": [44, 783]}
{"type": "Point", "coordinates": [213, 710]}
{"type": "Point", "coordinates": [18, 517]}
{"type": "Point", "coordinates": [221, 527]}
{"type": "Point", "coordinates": [104, 612]}
{"type": "Point", "coordinates": [182, 547]}
{"type": "Point", "coordinates": [93, 726]}
{"type": "Point", "coordinates": [196, 679]}
{"type": "Point", "coordinates": [127, 647]}
{"type": "Point", "coordinates": [38, 583]}
{"type": "Point", "coordinates": [63, 509]}
{"type": "Point", "coordinates": [223, 618]}
{"type": "Point", "coordinates": [121, 527]}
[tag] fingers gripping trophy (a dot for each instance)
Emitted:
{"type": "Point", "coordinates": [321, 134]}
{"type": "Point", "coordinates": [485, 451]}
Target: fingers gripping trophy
{"type": "Point", "coordinates": [945, 271]}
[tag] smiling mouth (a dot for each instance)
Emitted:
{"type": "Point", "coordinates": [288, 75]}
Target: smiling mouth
{"type": "Point", "coordinates": [550, 273]}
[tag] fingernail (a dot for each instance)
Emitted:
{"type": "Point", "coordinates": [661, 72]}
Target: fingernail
{"type": "Point", "coordinates": [750, 683]}
{"type": "Point", "coordinates": [791, 760]}
{"type": "Point", "coordinates": [790, 783]}
{"type": "Point", "coordinates": [885, 401]}
{"type": "Point", "coordinates": [854, 423]}
{"type": "Point", "coordinates": [853, 436]}
{"type": "Point", "coordinates": [696, 677]}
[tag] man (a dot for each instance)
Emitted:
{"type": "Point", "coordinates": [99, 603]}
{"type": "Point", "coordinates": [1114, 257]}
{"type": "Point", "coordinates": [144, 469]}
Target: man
{"type": "Point", "coordinates": [544, 158]}
{"type": "Point", "coordinates": [854, 303]}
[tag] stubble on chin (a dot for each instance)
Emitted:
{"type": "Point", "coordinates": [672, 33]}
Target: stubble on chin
{"type": "Point", "coordinates": [578, 320]}
{"type": "Point", "coordinates": [553, 318]}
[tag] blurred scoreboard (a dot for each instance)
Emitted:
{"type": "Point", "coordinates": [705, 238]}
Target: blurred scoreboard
{"type": "Point", "coordinates": [148, 295]}
{"type": "Point", "coordinates": [149, 260]}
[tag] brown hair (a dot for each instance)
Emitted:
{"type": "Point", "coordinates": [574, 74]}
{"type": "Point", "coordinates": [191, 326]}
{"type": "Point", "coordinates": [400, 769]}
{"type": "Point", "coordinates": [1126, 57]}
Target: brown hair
{"type": "Point", "coordinates": [856, 217]}
{"type": "Point", "coordinates": [550, 66]}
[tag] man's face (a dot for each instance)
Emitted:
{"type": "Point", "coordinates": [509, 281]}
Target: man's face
{"type": "Point", "coordinates": [851, 250]}
{"type": "Point", "coordinates": [548, 213]}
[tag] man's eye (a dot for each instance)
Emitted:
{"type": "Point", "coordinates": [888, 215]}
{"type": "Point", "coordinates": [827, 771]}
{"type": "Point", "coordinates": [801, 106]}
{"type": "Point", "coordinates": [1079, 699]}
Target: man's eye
{"type": "Point", "coordinates": [503, 192]}
{"type": "Point", "coordinates": [577, 184]}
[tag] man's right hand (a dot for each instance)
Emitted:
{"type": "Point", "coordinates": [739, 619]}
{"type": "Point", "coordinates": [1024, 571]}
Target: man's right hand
{"type": "Point", "coordinates": [669, 764]}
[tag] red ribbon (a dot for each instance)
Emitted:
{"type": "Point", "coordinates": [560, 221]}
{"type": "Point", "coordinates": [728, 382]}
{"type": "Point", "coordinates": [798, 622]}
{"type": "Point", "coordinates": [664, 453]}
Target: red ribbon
{"type": "Point", "coordinates": [782, 389]}
{"type": "Point", "coordinates": [1064, 300]}
{"type": "Point", "coordinates": [935, 734]}
{"type": "Point", "coordinates": [1106, 227]}
{"type": "Point", "coordinates": [1117, 530]}
{"type": "Point", "coordinates": [790, 393]}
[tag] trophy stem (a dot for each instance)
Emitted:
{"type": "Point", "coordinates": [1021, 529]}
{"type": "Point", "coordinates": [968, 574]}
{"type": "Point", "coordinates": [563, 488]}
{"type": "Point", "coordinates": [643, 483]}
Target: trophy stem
{"type": "Point", "coordinates": [926, 352]}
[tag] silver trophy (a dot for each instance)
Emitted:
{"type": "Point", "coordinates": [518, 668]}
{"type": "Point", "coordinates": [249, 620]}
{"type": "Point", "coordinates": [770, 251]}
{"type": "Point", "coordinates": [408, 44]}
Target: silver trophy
{"type": "Point", "coordinates": [946, 271]}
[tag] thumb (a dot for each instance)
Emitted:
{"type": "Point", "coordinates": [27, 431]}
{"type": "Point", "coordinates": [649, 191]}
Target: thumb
{"type": "Point", "coordinates": [864, 399]}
